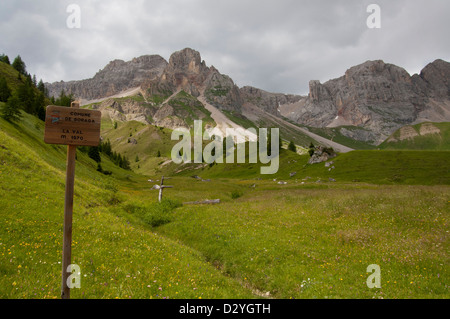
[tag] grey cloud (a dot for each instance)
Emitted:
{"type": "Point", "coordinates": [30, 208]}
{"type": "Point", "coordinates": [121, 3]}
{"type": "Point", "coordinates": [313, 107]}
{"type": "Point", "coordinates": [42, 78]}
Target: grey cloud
{"type": "Point", "coordinates": [274, 45]}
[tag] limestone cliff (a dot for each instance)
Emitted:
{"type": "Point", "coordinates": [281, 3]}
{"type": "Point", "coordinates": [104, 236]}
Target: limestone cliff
{"type": "Point", "coordinates": [374, 97]}
{"type": "Point", "coordinates": [116, 77]}
{"type": "Point", "coordinates": [377, 97]}
{"type": "Point", "coordinates": [186, 71]}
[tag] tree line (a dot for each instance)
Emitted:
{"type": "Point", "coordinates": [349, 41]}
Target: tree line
{"type": "Point", "coordinates": [29, 96]}
{"type": "Point", "coordinates": [105, 148]}
{"type": "Point", "coordinates": [32, 97]}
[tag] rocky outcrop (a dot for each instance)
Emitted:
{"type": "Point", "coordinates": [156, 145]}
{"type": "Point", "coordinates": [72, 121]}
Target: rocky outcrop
{"type": "Point", "coordinates": [186, 71]}
{"type": "Point", "coordinates": [321, 154]}
{"type": "Point", "coordinates": [369, 102]}
{"type": "Point", "coordinates": [221, 91]}
{"type": "Point", "coordinates": [126, 110]}
{"type": "Point", "coordinates": [267, 101]}
{"type": "Point", "coordinates": [116, 77]}
{"type": "Point", "coordinates": [434, 80]}
{"type": "Point", "coordinates": [377, 97]}
{"type": "Point", "coordinates": [410, 133]}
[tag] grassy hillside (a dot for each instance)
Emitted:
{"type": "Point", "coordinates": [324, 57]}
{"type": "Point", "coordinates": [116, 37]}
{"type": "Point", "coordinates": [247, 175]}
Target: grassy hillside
{"type": "Point", "coordinates": [286, 132]}
{"type": "Point", "coordinates": [377, 167]}
{"type": "Point", "coordinates": [436, 141]}
{"type": "Point", "coordinates": [303, 239]}
{"type": "Point", "coordinates": [118, 259]}
{"type": "Point", "coordinates": [335, 135]}
{"type": "Point", "coordinates": [150, 145]}
{"type": "Point", "coordinates": [11, 76]}
{"type": "Point", "coordinates": [317, 241]}
{"type": "Point", "coordinates": [189, 108]}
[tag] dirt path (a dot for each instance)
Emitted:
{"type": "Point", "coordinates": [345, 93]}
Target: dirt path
{"type": "Point", "coordinates": [170, 97]}
{"type": "Point", "coordinates": [129, 92]}
{"type": "Point", "coordinates": [223, 122]}
{"type": "Point", "coordinates": [336, 146]}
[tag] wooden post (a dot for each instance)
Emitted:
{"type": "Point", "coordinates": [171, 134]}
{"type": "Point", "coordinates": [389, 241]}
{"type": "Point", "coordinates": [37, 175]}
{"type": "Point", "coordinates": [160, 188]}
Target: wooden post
{"type": "Point", "coordinates": [161, 187]}
{"type": "Point", "coordinates": [68, 211]}
{"type": "Point", "coordinates": [66, 126]}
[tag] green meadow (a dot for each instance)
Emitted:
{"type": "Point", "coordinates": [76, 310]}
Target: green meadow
{"type": "Point", "coordinates": [311, 237]}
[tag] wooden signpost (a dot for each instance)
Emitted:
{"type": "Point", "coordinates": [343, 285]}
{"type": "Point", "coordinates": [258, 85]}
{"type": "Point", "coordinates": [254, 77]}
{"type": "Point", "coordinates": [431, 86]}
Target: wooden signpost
{"type": "Point", "coordinates": [73, 127]}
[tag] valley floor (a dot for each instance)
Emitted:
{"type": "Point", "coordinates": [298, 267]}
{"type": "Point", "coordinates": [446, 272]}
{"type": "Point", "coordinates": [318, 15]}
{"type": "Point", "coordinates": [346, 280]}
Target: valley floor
{"type": "Point", "coordinates": [300, 239]}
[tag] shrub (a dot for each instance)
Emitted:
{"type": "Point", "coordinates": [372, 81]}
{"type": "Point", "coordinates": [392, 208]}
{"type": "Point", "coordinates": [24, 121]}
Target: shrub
{"type": "Point", "coordinates": [94, 153]}
{"type": "Point", "coordinates": [311, 149]}
{"type": "Point", "coordinates": [236, 194]}
{"type": "Point", "coordinates": [292, 147]}
{"type": "Point", "coordinates": [154, 214]}
{"type": "Point", "coordinates": [11, 109]}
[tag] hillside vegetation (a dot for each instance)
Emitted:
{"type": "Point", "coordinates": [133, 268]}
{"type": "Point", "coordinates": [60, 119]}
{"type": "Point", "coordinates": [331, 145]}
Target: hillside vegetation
{"type": "Point", "coordinates": [308, 231]}
{"type": "Point", "coordinates": [423, 136]}
{"type": "Point", "coordinates": [255, 244]}
{"type": "Point", "coordinates": [377, 167]}
{"type": "Point", "coordinates": [118, 259]}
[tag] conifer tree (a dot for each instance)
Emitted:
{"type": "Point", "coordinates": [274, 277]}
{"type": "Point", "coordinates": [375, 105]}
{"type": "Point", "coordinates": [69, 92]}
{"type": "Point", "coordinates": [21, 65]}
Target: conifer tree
{"type": "Point", "coordinates": [11, 109]}
{"type": "Point", "coordinates": [292, 147]}
{"type": "Point", "coordinates": [5, 59]}
{"type": "Point", "coordinates": [19, 65]}
{"type": "Point", "coordinates": [94, 154]}
{"type": "Point", "coordinates": [5, 91]}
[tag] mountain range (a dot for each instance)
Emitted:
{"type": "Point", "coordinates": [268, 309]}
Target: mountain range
{"type": "Point", "coordinates": [367, 104]}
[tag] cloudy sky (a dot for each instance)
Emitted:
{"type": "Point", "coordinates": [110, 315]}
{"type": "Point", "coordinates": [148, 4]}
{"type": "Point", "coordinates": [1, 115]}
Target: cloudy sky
{"type": "Point", "coordinates": [277, 45]}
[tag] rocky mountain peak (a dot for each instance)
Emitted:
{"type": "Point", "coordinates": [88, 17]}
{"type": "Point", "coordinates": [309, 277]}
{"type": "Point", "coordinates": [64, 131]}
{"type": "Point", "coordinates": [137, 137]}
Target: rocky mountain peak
{"type": "Point", "coordinates": [187, 60]}
{"type": "Point", "coordinates": [436, 76]}
{"type": "Point", "coordinates": [370, 70]}
{"type": "Point", "coordinates": [185, 71]}
{"type": "Point", "coordinates": [378, 97]}
{"type": "Point", "coordinates": [318, 92]}
{"type": "Point", "coordinates": [115, 77]}
{"type": "Point", "coordinates": [374, 97]}
{"type": "Point", "coordinates": [188, 72]}
{"type": "Point", "coordinates": [113, 65]}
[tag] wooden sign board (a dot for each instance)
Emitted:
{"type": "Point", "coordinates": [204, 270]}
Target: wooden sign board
{"type": "Point", "coordinates": [72, 126]}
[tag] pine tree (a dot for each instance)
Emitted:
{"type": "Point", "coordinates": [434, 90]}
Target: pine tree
{"type": "Point", "coordinates": [19, 65]}
{"type": "Point", "coordinates": [106, 148]}
{"type": "Point", "coordinates": [126, 163]}
{"type": "Point", "coordinates": [119, 160]}
{"type": "Point", "coordinates": [5, 91]}
{"type": "Point", "coordinates": [25, 93]}
{"type": "Point", "coordinates": [292, 147]}
{"type": "Point", "coordinates": [4, 58]}
{"type": "Point", "coordinates": [94, 154]}
{"type": "Point", "coordinates": [41, 87]}
{"type": "Point", "coordinates": [11, 110]}
{"type": "Point", "coordinates": [39, 106]}
{"type": "Point", "coordinates": [64, 100]}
